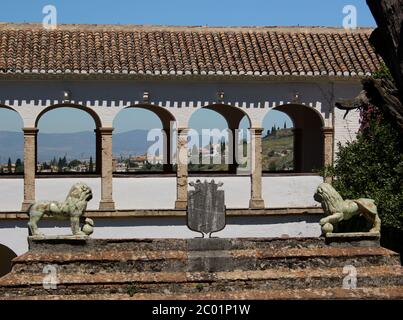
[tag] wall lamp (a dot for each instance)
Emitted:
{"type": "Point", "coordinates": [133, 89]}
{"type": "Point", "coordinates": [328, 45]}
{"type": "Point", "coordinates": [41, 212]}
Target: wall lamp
{"type": "Point", "coordinates": [296, 97]}
{"type": "Point", "coordinates": [220, 96]}
{"type": "Point", "coordinates": [146, 97]}
{"type": "Point", "coordinates": [66, 96]}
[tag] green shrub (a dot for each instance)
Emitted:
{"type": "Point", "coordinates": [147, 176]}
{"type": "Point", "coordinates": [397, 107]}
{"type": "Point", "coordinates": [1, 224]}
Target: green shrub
{"type": "Point", "coordinates": [372, 167]}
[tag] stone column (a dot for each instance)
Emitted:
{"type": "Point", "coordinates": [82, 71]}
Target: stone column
{"type": "Point", "coordinates": [98, 151]}
{"type": "Point", "coordinates": [256, 200]}
{"type": "Point", "coordinates": [328, 134]}
{"type": "Point", "coordinates": [233, 149]}
{"type": "Point", "coordinates": [167, 166]}
{"type": "Point", "coordinates": [182, 169]}
{"type": "Point", "coordinates": [30, 135]}
{"type": "Point", "coordinates": [106, 202]}
{"type": "Point", "coordinates": [297, 132]}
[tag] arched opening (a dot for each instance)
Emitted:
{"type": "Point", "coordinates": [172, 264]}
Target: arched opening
{"type": "Point", "coordinates": [214, 137]}
{"type": "Point", "coordinates": [6, 257]}
{"type": "Point", "coordinates": [141, 140]}
{"type": "Point", "coordinates": [67, 141]}
{"type": "Point", "coordinates": [11, 142]}
{"type": "Point", "coordinates": [277, 142]}
{"type": "Point", "coordinates": [308, 138]}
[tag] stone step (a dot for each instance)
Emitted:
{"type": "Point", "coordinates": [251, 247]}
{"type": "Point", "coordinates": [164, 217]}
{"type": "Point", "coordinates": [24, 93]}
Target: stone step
{"type": "Point", "coordinates": [210, 261]}
{"type": "Point", "coordinates": [196, 244]}
{"type": "Point", "coordinates": [190, 282]}
{"type": "Point", "coordinates": [248, 268]}
{"type": "Point", "coordinates": [389, 292]}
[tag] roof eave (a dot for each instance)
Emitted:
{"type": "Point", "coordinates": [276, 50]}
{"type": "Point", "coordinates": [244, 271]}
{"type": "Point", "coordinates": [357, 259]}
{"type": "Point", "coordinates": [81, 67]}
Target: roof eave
{"type": "Point", "coordinates": [138, 76]}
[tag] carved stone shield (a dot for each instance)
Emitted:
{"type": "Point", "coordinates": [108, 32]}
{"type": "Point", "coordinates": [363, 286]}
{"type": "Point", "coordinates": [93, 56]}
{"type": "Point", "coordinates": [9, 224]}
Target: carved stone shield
{"type": "Point", "coordinates": [206, 207]}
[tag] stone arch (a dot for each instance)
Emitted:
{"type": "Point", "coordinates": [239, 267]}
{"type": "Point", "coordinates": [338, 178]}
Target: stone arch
{"type": "Point", "coordinates": [90, 111]}
{"type": "Point", "coordinates": [166, 118]}
{"type": "Point", "coordinates": [277, 142]}
{"type": "Point", "coordinates": [18, 146]}
{"type": "Point", "coordinates": [97, 122]}
{"type": "Point", "coordinates": [4, 106]}
{"type": "Point", "coordinates": [308, 136]}
{"type": "Point", "coordinates": [6, 257]}
{"type": "Point", "coordinates": [162, 113]}
{"type": "Point", "coordinates": [233, 117]}
{"type": "Point", "coordinates": [231, 114]}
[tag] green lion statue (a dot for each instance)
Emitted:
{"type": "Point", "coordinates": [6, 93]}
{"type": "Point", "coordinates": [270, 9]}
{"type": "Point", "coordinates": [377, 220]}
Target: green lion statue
{"type": "Point", "coordinates": [336, 209]}
{"type": "Point", "coordinates": [72, 208]}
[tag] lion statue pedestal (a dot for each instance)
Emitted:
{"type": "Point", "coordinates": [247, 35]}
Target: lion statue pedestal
{"type": "Point", "coordinates": [336, 209]}
{"type": "Point", "coordinates": [72, 208]}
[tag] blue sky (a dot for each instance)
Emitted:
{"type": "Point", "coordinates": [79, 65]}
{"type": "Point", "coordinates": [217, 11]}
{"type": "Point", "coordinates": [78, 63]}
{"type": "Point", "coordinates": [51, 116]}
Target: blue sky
{"type": "Point", "coordinates": [188, 12]}
{"type": "Point", "coordinates": [172, 12]}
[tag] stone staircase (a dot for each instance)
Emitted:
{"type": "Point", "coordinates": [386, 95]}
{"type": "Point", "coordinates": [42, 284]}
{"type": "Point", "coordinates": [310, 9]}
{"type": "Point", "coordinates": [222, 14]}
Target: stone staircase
{"type": "Point", "coordinates": [243, 268]}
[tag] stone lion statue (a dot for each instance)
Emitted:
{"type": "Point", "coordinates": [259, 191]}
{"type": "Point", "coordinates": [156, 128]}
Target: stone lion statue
{"type": "Point", "coordinates": [72, 208]}
{"type": "Point", "coordinates": [336, 209]}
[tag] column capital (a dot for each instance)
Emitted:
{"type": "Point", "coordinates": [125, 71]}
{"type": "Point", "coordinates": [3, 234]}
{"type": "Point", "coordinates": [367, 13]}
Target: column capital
{"type": "Point", "coordinates": [104, 130]}
{"type": "Point", "coordinates": [30, 131]}
{"type": "Point", "coordinates": [328, 130]}
{"type": "Point", "coordinates": [258, 131]}
{"type": "Point", "coordinates": [182, 131]}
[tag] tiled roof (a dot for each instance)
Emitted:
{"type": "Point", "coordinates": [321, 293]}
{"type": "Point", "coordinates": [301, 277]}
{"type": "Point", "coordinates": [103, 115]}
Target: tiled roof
{"type": "Point", "coordinates": [158, 50]}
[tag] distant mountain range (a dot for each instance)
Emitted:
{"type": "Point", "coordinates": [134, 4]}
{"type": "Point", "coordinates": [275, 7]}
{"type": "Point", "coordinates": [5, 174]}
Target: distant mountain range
{"type": "Point", "coordinates": [77, 145]}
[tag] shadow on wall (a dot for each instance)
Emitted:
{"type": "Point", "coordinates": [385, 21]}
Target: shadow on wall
{"type": "Point", "coordinates": [392, 239]}
{"type": "Point", "coordinates": [6, 255]}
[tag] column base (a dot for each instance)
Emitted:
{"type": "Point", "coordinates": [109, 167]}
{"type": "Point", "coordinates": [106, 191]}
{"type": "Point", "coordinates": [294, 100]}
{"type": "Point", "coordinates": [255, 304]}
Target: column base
{"type": "Point", "coordinates": [106, 205]}
{"type": "Point", "coordinates": [181, 204]}
{"type": "Point", "coordinates": [26, 204]}
{"type": "Point", "coordinates": [256, 203]}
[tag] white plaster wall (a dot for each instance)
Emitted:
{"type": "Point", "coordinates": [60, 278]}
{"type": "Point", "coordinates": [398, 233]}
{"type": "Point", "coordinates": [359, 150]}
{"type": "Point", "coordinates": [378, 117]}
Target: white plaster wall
{"type": "Point", "coordinates": [58, 188]}
{"type": "Point", "coordinates": [290, 191]}
{"type": "Point", "coordinates": [277, 192]}
{"type": "Point", "coordinates": [13, 234]}
{"type": "Point", "coordinates": [160, 192]}
{"type": "Point", "coordinates": [237, 189]}
{"type": "Point", "coordinates": [181, 98]}
{"type": "Point", "coordinates": [11, 194]}
{"type": "Point", "coordinates": [345, 129]}
{"type": "Point", "coordinates": [144, 193]}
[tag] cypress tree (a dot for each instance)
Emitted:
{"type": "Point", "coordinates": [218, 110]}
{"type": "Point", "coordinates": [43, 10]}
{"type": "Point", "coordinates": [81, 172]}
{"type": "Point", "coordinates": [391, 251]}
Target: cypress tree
{"type": "Point", "coordinates": [60, 165]}
{"type": "Point", "coordinates": [91, 165]}
{"type": "Point", "coordinates": [9, 166]}
{"type": "Point", "coordinates": [18, 166]}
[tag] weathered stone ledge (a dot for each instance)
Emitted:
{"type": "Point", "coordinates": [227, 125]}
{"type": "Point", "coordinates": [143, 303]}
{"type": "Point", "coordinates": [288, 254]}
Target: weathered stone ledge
{"type": "Point", "coordinates": [141, 255]}
{"type": "Point", "coordinates": [356, 238]}
{"type": "Point", "coordinates": [21, 215]}
{"type": "Point", "coordinates": [17, 279]}
{"type": "Point", "coordinates": [389, 292]}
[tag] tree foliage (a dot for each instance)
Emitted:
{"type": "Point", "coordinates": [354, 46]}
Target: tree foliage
{"type": "Point", "coordinates": [19, 167]}
{"type": "Point", "coordinates": [372, 165]}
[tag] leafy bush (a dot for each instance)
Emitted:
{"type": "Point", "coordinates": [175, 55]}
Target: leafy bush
{"type": "Point", "coordinates": [372, 167]}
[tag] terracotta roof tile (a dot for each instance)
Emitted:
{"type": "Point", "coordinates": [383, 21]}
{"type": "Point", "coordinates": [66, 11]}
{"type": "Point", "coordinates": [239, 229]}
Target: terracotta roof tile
{"type": "Point", "coordinates": [155, 50]}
